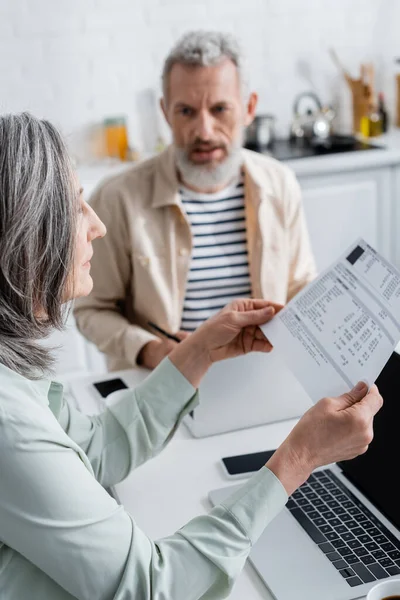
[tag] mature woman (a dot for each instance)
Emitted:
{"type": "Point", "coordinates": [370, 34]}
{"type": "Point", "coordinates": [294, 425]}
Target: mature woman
{"type": "Point", "coordinates": [61, 535]}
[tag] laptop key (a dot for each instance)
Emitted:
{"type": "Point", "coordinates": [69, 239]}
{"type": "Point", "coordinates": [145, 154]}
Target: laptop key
{"type": "Point", "coordinates": [387, 546]}
{"type": "Point", "coordinates": [319, 521]}
{"type": "Point", "coordinates": [363, 572]}
{"type": "Point", "coordinates": [354, 543]}
{"type": "Point", "coordinates": [352, 558]}
{"type": "Point", "coordinates": [290, 504]}
{"type": "Point", "coordinates": [339, 511]}
{"type": "Point", "coordinates": [347, 573]}
{"type": "Point", "coordinates": [340, 564]}
{"type": "Point", "coordinates": [345, 550]}
{"type": "Point", "coordinates": [378, 554]}
{"type": "Point", "coordinates": [332, 535]}
{"type": "Point", "coordinates": [326, 547]}
{"type": "Point", "coordinates": [394, 554]}
{"type": "Point", "coordinates": [341, 529]}
{"type": "Point", "coordinates": [353, 581]}
{"type": "Point", "coordinates": [377, 570]}
{"type": "Point", "coordinates": [393, 570]}
{"type": "Point", "coordinates": [323, 509]}
{"type": "Point", "coordinates": [367, 559]}
{"type": "Point", "coordinates": [365, 539]}
{"type": "Point", "coordinates": [308, 526]}
{"type": "Point", "coordinates": [361, 551]}
{"type": "Point", "coordinates": [338, 543]}
{"type": "Point", "coordinates": [303, 502]}
{"type": "Point", "coordinates": [336, 523]}
{"type": "Point", "coordinates": [378, 537]}
{"type": "Point", "coordinates": [325, 529]}
{"type": "Point", "coordinates": [348, 536]}
{"type": "Point", "coordinates": [371, 546]}
{"type": "Point", "coordinates": [318, 502]}
{"type": "Point", "coordinates": [313, 514]}
{"type": "Point", "coordinates": [333, 556]}
{"type": "Point", "coordinates": [386, 562]}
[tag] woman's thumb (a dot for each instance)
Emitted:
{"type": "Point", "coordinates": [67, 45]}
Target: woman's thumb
{"type": "Point", "coordinates": [356, 394]}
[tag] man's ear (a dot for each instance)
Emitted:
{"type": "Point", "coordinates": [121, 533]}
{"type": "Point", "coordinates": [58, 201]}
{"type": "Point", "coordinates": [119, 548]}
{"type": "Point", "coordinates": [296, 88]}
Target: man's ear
{"type": "Point", "coordinates": [251, 108]}
{"type": "Point", "coordinates": [164, 109]}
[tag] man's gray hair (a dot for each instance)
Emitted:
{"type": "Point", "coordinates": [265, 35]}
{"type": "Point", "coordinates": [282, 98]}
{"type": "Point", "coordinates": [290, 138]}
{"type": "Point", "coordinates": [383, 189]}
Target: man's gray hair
{"type": "Point", "coordinates": [203, 49]}
{"type": "Point", "coordinates": [38, 208]}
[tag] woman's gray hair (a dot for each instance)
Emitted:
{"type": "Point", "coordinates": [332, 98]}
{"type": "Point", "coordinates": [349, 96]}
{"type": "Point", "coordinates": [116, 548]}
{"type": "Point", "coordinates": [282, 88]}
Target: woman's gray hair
{"type": "Point", "coordinates": [38, 211]}
{"type": "Point", "coordinates": [203, 49]}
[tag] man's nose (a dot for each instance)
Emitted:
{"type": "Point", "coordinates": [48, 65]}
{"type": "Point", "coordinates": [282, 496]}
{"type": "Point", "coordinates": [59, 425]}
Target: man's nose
{"type": "Point", "coordinates": [204, 126]}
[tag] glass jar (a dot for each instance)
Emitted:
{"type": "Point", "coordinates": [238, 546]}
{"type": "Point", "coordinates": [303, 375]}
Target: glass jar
{"type": "Point", "coordinates": [116, 137]}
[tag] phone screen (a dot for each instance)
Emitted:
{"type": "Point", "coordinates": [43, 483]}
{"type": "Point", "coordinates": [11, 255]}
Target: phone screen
{"type": "Point", "coordinates": [246, 463]}
{"type": "Point", "coordinates": [105, 388]}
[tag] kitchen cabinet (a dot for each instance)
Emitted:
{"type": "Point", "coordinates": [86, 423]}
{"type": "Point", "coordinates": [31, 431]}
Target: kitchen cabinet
{"type": "Point", "coordinates": [342, 207]}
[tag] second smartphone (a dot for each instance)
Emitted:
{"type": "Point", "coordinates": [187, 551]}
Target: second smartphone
{"type": "Point", "coordinates": [244, 465]}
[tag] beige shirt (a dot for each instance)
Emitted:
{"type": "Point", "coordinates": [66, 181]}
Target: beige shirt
{"type": "Point", "coordinates": [140, 267]}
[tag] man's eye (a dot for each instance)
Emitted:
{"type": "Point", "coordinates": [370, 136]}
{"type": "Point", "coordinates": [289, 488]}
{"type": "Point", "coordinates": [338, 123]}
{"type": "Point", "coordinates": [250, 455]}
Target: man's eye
{"type": "Point", "coordinates": [219, 109]}
{"type": "Point", "coordinates": [186, 111]}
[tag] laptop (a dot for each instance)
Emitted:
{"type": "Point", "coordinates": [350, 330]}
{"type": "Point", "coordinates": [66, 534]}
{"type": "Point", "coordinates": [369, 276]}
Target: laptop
{"type": "Point", "coordinates": [246, 391]}
{"type": "Point", "coordinates": [339, 533]}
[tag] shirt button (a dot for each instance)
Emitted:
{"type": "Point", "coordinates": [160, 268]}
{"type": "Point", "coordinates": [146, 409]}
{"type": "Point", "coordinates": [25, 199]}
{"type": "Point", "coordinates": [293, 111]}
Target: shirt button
{"type": "Point", "coordinates": [183, 251]}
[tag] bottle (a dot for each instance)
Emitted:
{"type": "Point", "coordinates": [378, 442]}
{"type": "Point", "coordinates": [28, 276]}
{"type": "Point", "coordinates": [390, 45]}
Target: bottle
{"type": "Point", "coordinates": [383, 112]}
{"type": "Point", "coordinates": [116, 137]}
{"type": "Point", "coordinates": [371, 123]}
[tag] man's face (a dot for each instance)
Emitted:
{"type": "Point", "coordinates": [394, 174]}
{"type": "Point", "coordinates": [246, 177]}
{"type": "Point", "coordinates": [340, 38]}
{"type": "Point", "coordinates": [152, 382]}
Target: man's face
{"type": "Point", "coordinates": [207, 113]}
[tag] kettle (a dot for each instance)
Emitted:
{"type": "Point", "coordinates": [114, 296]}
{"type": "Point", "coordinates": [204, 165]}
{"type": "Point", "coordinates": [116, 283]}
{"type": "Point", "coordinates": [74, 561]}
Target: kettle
{"type": "Point", "coordinates": [260, 133]}
{"type": "Point", "coordinates": [313, 124]}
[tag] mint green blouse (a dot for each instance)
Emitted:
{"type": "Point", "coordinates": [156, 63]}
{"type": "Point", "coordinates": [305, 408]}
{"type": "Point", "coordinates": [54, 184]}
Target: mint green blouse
{"type": "Point", "coordinates": [62, 536]}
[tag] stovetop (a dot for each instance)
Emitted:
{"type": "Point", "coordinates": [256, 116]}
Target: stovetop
{"type": "Point", "coordinates": [285, 149]}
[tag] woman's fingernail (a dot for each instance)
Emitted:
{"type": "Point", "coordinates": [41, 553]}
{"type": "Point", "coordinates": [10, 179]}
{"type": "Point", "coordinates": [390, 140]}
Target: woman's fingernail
{"type": "Point", "coordinates": [360, 386]}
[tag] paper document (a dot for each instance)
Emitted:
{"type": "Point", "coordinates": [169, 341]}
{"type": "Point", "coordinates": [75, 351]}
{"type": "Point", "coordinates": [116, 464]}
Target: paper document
{"type": "Point", "coordinates": [343, 327]}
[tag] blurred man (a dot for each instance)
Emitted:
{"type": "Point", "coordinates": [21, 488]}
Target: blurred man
{"type": "Point", "coordinates": [198, 225]}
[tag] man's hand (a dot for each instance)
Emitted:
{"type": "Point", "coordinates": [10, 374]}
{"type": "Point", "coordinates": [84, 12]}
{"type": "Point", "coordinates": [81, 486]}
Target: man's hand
{"type": "Point", "coordinates": [332, 430]}
{"type": "Point", "coordinates": [153, 352]}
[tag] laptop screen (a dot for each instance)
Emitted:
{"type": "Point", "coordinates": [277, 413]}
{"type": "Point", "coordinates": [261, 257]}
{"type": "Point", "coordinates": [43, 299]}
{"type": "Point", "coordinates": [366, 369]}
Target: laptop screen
{"type": "Point", "coordinates": [376, 473]}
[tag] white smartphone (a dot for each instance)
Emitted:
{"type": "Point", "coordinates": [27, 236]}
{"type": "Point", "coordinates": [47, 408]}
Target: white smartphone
{"type": "Point", "coordinates": [244, 465]}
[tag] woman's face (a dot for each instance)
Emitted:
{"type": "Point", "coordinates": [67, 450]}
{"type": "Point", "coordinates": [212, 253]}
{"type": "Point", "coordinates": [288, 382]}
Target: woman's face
{"type": "Point", "coordinates": [89, 228]}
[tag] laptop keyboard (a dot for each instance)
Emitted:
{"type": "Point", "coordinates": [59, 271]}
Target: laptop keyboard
{"type": "Point", "coordinates": [360, 547]}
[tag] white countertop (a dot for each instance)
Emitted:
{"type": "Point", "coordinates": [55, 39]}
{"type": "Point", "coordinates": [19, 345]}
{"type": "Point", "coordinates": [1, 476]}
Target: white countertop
{"type": "Point", "coordinates": [90, 175]}
{"type": "Point", "coordinates": [351, 161]}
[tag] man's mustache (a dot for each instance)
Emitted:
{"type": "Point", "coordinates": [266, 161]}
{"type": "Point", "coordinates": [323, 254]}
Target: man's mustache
{"type": "Point", "coordinates": [206, 146]}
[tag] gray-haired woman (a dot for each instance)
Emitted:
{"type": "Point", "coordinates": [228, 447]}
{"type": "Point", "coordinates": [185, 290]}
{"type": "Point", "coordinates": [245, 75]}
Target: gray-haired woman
{"type": "Point", "coordinates": [61, 535]}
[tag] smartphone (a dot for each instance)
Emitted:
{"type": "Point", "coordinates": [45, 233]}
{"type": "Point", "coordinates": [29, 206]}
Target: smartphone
{"type": "Point", "coordinates": [244, 465]}
{"type": "Point", "coordinates": [107, 387]}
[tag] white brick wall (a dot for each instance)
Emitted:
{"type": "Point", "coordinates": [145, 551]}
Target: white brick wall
{"type": "Point", "coordinates": [77, 61]}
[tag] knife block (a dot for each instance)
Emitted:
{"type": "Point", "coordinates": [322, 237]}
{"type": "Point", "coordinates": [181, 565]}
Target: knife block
{"type": "Point", "coordinates": [361, 100]}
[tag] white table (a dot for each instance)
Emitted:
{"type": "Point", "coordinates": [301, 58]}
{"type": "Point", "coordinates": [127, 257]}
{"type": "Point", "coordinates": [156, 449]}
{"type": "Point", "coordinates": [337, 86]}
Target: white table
{"type": "Point", "coordinates": [165, 493]}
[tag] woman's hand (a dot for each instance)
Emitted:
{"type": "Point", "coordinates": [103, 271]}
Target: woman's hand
{"type": "Point", "coordinates": [231, 332]}
{"type": "Point", "coordinates": [332, 430]}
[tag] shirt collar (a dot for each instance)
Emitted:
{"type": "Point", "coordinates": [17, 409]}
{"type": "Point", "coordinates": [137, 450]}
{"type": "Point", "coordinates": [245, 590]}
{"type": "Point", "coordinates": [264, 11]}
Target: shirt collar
{"type": "Point", "coordinates": [43, 391]}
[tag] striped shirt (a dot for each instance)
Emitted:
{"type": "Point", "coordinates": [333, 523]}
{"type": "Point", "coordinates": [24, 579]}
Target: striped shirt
{"type": "Point", "coordinates": [219, 268]}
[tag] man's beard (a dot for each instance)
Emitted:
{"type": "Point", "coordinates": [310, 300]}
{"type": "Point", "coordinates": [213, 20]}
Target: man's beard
{"type": "Point", "coordinates": [204, 176]}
